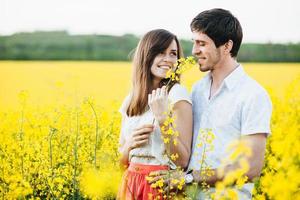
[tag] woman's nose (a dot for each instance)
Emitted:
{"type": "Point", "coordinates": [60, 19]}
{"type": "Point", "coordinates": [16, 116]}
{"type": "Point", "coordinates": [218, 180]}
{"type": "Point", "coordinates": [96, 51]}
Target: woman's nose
{"type": "Point", "coordinates": [168, 58]}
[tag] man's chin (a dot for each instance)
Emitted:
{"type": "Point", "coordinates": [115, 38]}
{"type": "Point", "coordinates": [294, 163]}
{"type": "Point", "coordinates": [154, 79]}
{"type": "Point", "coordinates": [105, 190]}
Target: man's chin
{"type": "Point", "coordinates": [203, 68]}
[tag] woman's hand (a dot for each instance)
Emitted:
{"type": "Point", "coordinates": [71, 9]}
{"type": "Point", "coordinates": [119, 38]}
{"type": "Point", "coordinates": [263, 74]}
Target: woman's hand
{"type": "Point", "coordinates": [158, 103]}
{"type": "Point", "coordinates": [139, 137]}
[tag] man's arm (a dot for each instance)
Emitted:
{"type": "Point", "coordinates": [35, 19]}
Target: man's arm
{"type": "Point", "coordinates": [257, 144]}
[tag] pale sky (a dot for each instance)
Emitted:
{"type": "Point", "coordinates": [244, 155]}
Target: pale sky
{"type": "Point", "coordinates": [262, 20]}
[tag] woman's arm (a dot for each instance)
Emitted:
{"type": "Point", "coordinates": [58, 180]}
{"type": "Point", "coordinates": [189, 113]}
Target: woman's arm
{"type": "Point", "coordinates": [124, 151]}
{"type": "Point", "coordinates": [124, 159]}
{"type": "Point", "coordinates": [182, 111]}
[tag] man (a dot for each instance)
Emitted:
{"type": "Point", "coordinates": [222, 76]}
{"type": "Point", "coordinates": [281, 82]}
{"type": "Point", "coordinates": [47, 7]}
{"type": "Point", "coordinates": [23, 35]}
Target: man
{"type": "Point", "coordinates": [226, 101]}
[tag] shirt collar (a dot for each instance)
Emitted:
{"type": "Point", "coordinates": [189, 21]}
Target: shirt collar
{"type": "Point", "coordinates": [234, 77]}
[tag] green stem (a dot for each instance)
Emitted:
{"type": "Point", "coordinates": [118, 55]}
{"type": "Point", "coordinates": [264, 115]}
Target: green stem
{"type": "Point", "coordinates": [169, 172]}
{"type": "Point", "coordinates": [167, 85]}
{"type": "Point", "coordinates": [96, 133]}
{"type": "Point", "coordinates": [52, 131]}
{"type": "Point", "coordinates": [201, 166]}
{"type": "Point", "coordinates": [76, 156]}
{"type": "Point", "coordinates": [21, 140]}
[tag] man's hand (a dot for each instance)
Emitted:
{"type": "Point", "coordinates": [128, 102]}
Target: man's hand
{"type": "Point", "coordinates": [167, 179]}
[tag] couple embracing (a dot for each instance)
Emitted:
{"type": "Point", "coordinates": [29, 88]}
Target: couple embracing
{"type": "Point", "coordinates": [226, 101]}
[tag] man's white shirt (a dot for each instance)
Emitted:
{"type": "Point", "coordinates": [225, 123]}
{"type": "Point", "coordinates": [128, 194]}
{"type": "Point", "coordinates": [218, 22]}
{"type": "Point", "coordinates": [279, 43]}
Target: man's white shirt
{"type": "Point", "coordinates": [239, 107]}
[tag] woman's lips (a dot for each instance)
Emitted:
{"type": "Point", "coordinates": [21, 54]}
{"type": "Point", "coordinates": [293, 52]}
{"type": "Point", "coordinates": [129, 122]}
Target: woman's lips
{"type": "Point", "coordinates": [164, 67]}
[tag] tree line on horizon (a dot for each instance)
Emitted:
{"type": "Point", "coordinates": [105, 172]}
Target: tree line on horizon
{"type": "Point", "coordinates": [59, 45]}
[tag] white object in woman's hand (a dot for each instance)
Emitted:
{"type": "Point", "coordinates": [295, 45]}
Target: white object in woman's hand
{"type": "Point", "coordinates": [140, 136]}
{"type": "Point", "coordinates": [158, 103]}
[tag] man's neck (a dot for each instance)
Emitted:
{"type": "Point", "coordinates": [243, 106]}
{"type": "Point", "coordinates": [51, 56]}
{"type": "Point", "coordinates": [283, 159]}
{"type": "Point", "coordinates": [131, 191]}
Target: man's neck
{"type": "Point", "coordinates": [223, 70]}
{"type": "Point", "coordinates": [220, 73]}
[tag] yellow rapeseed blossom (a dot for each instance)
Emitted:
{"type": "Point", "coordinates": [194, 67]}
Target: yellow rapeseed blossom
{"type": "Point", "coordinates": [174, 157]}
{"type": "Point", "coordinates": [182, 65]}
{"type": "Point", "coordinates": [239, 152]}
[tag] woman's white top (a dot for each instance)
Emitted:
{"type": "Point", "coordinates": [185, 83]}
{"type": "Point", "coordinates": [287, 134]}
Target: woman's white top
{"type": "Point", "coordinates": [154, 153]}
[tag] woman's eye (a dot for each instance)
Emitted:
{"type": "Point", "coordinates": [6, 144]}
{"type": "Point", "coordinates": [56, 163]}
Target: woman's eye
{"type": "Point", "coordinates": [173, 53]}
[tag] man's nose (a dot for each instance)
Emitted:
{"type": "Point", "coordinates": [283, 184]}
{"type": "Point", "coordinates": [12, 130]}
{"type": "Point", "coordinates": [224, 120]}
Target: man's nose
{"type": "Point", "coordinates": [195, 50]}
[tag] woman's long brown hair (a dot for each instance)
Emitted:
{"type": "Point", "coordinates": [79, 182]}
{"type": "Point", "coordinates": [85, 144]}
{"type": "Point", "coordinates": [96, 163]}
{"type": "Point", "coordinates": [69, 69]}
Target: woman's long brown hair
{"type": "Point", "coordinates": [153, 43]}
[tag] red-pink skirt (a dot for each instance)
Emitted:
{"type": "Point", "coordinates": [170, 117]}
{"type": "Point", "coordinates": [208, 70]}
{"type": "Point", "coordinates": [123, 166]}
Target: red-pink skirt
{"type": "Point", "coordinates": [134, 185]}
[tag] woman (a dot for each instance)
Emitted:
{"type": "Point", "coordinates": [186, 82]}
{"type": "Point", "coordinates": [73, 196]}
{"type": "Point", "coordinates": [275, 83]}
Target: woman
{"type": "Point", "coordinates": [143, 112]}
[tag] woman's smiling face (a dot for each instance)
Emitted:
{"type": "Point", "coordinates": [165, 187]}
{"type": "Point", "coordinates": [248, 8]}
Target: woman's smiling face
{"type": "Point", "coordinates": [164, 61]}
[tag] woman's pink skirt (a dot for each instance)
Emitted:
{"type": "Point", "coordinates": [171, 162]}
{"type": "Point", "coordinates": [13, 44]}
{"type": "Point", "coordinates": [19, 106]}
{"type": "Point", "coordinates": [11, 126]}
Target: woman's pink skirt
{"type": "Point", "coordinates": [134, 185]}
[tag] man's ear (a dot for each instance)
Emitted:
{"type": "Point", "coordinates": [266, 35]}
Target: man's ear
{"type": "Point", "coordinates": [228, 46]}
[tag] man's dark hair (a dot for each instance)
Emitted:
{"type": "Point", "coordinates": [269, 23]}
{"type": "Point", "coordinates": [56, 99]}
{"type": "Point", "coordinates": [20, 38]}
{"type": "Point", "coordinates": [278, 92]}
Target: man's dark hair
{"type": "Point", "coordinates": [221, 26]}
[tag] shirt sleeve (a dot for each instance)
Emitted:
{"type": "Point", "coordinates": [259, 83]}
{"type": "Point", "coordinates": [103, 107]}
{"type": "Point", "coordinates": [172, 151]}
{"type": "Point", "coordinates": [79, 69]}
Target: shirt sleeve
{"type": "Point", "coordinates": [124, 106]}
{"type": "Point", "coordinates": [121, 137]}
{"type": "Point", "coordinates": [123, 110]}
{"type": "Point", "coordinates": [256, 114]}
{"type": "Point", "coordinates": [179, 93]}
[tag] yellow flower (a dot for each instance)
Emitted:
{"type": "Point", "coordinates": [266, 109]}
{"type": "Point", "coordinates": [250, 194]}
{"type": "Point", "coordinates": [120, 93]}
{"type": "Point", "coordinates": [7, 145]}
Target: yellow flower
{"type": "Point", "coordinates": [174, 157]}
{"type": "Point", "coordinates": [166, 140]}
{"type": "Point", "coordinates": [175, 142]}
{"type": "Point", "coordinates": [160, 183]}
{"type": "Point", "coordinates": [182, 65]}
{"type": "Point", "coordinates": [149, 178]}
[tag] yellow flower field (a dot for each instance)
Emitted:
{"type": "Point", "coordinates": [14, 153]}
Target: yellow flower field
{"type": "Point", "coordinates": [61, 82]}
{"type": "Point", "coordinates": [59, 128]}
